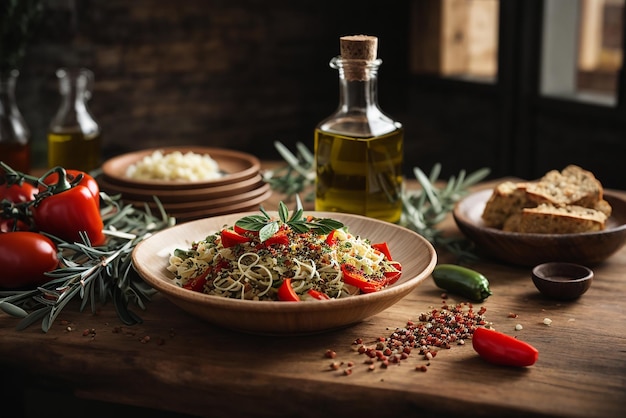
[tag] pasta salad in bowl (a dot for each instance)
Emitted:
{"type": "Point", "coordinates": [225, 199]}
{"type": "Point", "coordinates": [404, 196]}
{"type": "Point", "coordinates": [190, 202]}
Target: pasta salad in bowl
{"type": "Point", "coordinates": [245, 271]}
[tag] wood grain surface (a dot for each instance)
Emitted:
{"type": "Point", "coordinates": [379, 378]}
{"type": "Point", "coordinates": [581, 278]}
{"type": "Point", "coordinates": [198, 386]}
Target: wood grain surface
{"type": "Point", "coordinates": [175, 362]}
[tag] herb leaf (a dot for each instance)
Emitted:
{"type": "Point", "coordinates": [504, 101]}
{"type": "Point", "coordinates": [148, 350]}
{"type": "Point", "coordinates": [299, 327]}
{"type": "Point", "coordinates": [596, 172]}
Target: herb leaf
{"type": "Point", "coordinates": [268, 226]}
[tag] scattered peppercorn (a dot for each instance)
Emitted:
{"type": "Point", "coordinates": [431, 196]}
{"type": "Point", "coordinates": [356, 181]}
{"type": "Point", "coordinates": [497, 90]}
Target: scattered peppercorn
{"type": "Point", "coordinates": [330, 354]}
{"type": "Point", "coordinates": [433, 331]}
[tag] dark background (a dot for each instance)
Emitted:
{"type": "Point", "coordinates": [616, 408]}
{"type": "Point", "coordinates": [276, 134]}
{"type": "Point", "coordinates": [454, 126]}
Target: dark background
{"type": "Point", "coordinates": [242, 74]}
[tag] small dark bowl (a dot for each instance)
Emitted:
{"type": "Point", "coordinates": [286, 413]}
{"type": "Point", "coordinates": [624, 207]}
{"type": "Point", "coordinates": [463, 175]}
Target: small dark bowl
{"type": "Point", "coordinates": [562, 281]}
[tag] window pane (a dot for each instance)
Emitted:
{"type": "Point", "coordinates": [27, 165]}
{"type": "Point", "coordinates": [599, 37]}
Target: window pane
{"type": "Point", "coordinates": [455, 38]}
{"type": "Point", "coordinates": [582, 52]}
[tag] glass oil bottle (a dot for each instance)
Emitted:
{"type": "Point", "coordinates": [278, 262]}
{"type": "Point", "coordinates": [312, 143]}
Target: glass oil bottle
{"type": "Point", "coordinates": [359, 149]}
{"type": "Point", "coordinates": [15, 146]}
{"type": "Point", "coordinates": [74, 140]}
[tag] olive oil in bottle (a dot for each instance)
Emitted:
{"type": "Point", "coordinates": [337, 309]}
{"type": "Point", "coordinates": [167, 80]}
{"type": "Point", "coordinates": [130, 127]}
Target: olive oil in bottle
{"type": "Point", "coordinates": [74, 138]}
{"type": "Point", "coordinates": [74, 149]}
{"type": "Point", "coordinates": [359, 149]}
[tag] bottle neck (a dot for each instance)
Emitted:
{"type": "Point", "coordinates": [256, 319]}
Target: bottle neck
{"type": "Point", "coordinates": [74, 87]}
{"type": "Point", "coordinates": [73, 113]}
{"type": "Point", "coordinates": [358, 84]}
{"type": "Point", "coordinates": [7, 92]}
{"type": "Point", "coordinates": [358, 113]}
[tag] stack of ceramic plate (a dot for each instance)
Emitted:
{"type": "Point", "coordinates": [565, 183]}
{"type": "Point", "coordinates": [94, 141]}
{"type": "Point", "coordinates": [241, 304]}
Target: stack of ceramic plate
{"type": "Point", "coordinates": [239, 188]}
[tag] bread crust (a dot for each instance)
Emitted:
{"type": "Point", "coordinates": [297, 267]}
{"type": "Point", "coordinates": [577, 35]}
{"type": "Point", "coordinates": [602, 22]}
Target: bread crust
{"type": "Point", "coordinates": [560, 202]}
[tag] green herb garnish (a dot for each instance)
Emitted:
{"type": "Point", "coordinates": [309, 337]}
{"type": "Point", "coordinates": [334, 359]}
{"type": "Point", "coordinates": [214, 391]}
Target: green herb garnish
{"type": "Point", "coordinates": [267, 225]}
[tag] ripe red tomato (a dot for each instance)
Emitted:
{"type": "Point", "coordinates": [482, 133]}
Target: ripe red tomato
{"type": "Point", "coordinates": [10, 225]}
{"type": "Point", "coordinates": [18, 193]}
{"type": "Point", "coordinates": [24, 258]}
{"type": "Point", "coordinates": [87, 181]}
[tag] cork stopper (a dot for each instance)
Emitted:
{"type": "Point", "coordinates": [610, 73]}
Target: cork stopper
{"type": "Point", "coordinates": [359, 47]}
{"type": "Point", "coordinates": [359, 50]}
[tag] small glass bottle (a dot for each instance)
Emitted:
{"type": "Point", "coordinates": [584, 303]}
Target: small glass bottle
{"type": "Point", "coordinates": [14, 133]}
{"type": "Point", "coordinates": [74, 140]}
{"type": "Point", "coordinates": [359, 149]}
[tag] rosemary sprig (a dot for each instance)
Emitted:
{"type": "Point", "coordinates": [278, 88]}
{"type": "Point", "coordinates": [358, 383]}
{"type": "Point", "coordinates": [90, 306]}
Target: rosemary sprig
{"type": "Point", "coordinates": [93, 274]}
{"type": "Point", "coordinates": [267, 225]}
{"type": "Point", "coordinates": [423, 210]}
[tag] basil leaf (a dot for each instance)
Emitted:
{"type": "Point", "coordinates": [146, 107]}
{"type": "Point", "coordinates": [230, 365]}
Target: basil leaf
{"type": "Point", "coordinates": [268, 231]}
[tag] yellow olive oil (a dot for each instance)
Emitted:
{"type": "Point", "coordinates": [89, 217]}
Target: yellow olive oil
{"type": "Point", "coordinates": [74, 150]}
{"type": "Point", "coordinates": [359, 175]}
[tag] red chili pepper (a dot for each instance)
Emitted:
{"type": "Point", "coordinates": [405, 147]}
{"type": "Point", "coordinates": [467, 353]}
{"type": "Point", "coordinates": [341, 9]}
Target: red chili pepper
{"type": "Point", "coordinates": [355, 277]}
{"type": "Point", "coordinates": [498, 348]}
{"type": "Point", "coordinates": [18, 193]}
{"type": "Point", "coordinates": [231, 238]}
{"type": "Point", "coordinates": [86, 180]}
{"type": "Point", "coordinates": [68, 211]}
{"type": "Point", "coordinates": [383, 248]}
{"type": "Point", "coordinates": [316, 294]}
{"type": "Point", "coordinates": [25, 257]}
{"type": "Point", "coordinates": [286, 292]}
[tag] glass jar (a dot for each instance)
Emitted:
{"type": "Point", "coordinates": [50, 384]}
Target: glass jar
{"type": "Point", "coordinates": [74, 140]}
{"type": "Point", "coordinates": [14, 133]}
{"type": "Point", "coordinates": [359, 149]}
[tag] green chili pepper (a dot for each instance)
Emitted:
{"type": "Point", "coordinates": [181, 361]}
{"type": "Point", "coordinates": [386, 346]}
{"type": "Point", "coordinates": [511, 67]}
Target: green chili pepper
{"type": "Point", "coordinates": [462, 281]}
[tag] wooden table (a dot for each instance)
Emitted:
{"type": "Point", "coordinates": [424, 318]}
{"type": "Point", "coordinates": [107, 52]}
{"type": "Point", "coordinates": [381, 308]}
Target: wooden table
{"type": "Point", "coordinates": [174, 362]}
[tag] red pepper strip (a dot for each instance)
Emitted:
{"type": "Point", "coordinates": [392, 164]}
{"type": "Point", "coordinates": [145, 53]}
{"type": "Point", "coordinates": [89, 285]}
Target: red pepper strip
{"type": "Point", "coordinates": [393, 276]}
{"type": "Point", "coordinates": [231, 238]}
{"type": "Point", "coordinates": [383, 248]}
{"type": "Point", "coordinates": [331, 240]}
{"type": "Point", "coordinates": [197, 283]}
{"type": "Point", "coordinates": [355, 277]}
{"type": "Point", "coordinates": [316, 294]}
{"type": "Point", "coordinates": [279, 238]}
{"type": "Point", "coordinates": [286, 292]}
{"type": "Point", "coordinates": [68, 211]}
{"type": "Point", "coordinates": [498, 348]}
{"type": "Point", "coordinates": [86, 180]}
{"type": "Point", "coordinates": [243, 231]}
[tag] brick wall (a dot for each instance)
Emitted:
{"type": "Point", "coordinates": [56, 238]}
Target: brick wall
{"type": "Point", "coordinates": [238, 74]}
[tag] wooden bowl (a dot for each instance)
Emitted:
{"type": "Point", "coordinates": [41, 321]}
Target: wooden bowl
{"type": "Point", "coordinates": [415, 253]}
{"type": "Point", "coordinates": [562, 281]}
{"type": "Point", "coordinates": [236, 166]}
{"type": "Point", "coordinates": [532, 249]}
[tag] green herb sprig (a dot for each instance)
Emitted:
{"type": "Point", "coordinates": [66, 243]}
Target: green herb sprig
{"type": "Point", "coordinates": [94, 275]}
{"type": "Point", "coordinates": [422, 210]}
{"type": "Point", "coordinates": [268, 226]}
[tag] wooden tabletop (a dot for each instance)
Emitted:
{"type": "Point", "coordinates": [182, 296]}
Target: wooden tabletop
{"type": "Point", "coordinates": [175, 362]}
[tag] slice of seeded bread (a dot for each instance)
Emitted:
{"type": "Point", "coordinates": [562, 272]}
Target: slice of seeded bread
{"type": "Point", "coordinates": [570, 200]}
{"type": "Point", "coordinates": [507, 199]}
{"type": "Point", "coordinates": [571, 186]}
{"type": "Point", "coordinates": [550, 219]}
